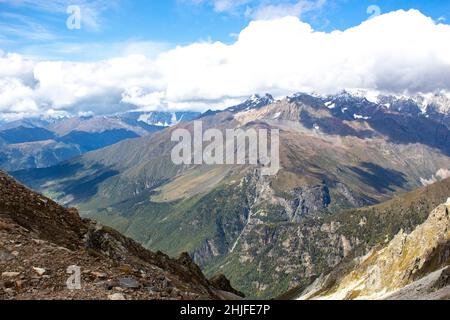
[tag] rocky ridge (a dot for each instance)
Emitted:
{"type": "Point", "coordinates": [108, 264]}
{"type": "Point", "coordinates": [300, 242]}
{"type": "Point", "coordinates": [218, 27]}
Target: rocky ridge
{"type": "Point", "coordinates": [40, 240]}
{"type": "Point", "coordinates": [410, 266]}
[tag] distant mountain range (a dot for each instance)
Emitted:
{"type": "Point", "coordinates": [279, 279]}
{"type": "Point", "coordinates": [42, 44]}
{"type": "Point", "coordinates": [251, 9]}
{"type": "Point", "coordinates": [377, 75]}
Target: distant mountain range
{"type": "Point", "coordinates": [43, 142]}
{"type": "Point", "coordinates": [337, 152]}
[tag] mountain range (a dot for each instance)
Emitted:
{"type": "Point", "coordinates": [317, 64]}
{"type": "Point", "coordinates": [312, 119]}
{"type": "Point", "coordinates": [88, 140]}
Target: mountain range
{"type": "Point", "coordinates": [270, 234]}
{"type": "Point", "coordinates": [43, 142]}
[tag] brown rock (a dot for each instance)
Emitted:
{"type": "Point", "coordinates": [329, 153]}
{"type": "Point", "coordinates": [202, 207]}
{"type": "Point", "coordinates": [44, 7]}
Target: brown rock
{"type": "Point", "coordinates": [220, 282]}
{"type": "Point", "coordinates": [116, 297]}
{"type": "Point", "coordinates": [10, 274]}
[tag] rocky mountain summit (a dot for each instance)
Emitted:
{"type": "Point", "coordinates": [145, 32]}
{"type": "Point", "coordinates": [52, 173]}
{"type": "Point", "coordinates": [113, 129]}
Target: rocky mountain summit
{"type": "Point", "coordinates": [40, 242]}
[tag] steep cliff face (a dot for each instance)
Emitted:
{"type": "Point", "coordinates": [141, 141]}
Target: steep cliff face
{"type": "Point", "coordinates": [40, 240]}
{"type": "Point", "coordinates": [410, 266]}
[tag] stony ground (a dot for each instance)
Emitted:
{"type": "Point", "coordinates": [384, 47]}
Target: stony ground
{"type": "Point", "coordinates": [36, 269]}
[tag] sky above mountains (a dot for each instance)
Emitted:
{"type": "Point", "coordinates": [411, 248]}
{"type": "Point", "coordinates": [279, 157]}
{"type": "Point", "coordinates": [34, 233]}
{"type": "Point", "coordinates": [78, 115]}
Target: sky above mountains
{"type": "Point", "coordinates": [101, 56]}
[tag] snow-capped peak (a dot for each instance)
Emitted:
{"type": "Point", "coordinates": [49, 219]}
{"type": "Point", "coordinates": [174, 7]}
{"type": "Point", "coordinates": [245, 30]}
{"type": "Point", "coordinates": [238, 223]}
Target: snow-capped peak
{"type": "Point", "coordinates": [257, 99]}
{"type": "Point", "coordinates": [438, 102]}
{"type": "Point", "coordinates": [254, 102]}
{"type": "Point", "coordinates": [160, 119]}
{"type": "Point", "coordinates": [369, 95]}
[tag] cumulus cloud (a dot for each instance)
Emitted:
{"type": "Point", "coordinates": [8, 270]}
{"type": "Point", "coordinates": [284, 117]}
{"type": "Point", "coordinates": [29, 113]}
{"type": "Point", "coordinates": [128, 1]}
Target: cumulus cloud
{"type": "Point", "coordinates": [398, 52]}
{"type": "Point", "coordinates": [15, 66]}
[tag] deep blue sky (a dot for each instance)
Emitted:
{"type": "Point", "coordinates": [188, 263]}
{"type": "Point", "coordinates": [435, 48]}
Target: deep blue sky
{"type": "Point", "coordinates": [38, 28]}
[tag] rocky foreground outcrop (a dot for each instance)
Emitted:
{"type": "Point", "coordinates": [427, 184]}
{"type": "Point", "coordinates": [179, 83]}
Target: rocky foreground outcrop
{"type": "Point", "coordinates": [411, 266]}
{"type": "Point", "coordinates": [43, 247]}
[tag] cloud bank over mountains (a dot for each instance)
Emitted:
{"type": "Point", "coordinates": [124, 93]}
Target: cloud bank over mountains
{"type": "Point", "coordinates": [402, 52]}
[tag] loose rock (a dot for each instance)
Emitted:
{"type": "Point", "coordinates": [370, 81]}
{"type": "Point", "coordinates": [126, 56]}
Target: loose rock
{"type": "Point", "coordinates": [129, 283]}
{"type": "Point", "coordinates": [116, 297]}
{"type": "Point", "coordinates": [10, 274]}
{"type": "Point", "coordinates": [5, 255]}
{"type": "Point", "coordinates": [39, 271]}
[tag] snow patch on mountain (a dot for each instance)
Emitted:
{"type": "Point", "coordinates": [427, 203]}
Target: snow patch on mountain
{"type": "Point", "coordinates": [441, 174]}
{"type": "Point", "coordinates": [369, 95]}
{"type": "Point", "coordinates": [160, 119]}
{"type": "Point", "coordinates": [254, 102]}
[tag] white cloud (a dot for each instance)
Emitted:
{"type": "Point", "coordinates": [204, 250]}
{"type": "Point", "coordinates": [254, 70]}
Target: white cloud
{"type": "Point", "coordinates": [398, 52]}
{"type": "Point", "coordinates": [15, 97]}
{"type": "Point", "coordinates": [14, 65]}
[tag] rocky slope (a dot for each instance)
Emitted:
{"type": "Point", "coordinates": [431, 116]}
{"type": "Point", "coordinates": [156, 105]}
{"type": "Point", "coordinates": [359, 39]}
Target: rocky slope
{"type": "Point", "coordinates": [274, 256]}
{"type": "Point", "coordinates": [39, 240]}
{"type": "Point", "coordinates": [410, 266]}
{"type": "Point", "coordinates": [337, 152]}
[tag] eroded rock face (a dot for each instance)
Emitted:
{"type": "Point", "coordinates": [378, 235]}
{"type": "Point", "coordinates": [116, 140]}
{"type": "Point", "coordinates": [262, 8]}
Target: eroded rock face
{"type": "Point", "coordinates": [310, 200]}
{"type": "Point", "coordinates": [409, 264]}
{"type": "Point", "coordinates": [443, 281]}
{"type": "Point", "coordinates": [207, 251]}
